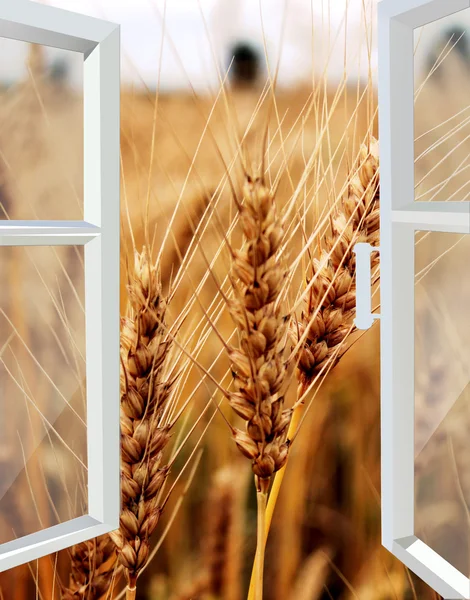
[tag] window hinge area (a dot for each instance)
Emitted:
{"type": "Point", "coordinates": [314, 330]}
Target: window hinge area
{"type": "Point", "coordinates": [364, 315]}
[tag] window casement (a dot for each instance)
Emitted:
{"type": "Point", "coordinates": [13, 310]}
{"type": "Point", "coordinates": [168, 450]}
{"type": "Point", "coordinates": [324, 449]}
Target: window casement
{"type": "Point", "coordinates": [96, 239]}
{"type": "Point", "coordinates": [402, 217]}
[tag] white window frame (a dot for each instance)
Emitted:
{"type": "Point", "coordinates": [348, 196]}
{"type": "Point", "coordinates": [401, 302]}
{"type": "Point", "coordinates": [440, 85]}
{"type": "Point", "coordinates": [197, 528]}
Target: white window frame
{"type": "Point", "coordinates": [99, 42]}
{"type": "Point", "coordinates": [401, 217]}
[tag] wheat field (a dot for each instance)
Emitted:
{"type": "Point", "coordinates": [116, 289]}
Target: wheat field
{"type": "Point", "coordinates": [249, 403]}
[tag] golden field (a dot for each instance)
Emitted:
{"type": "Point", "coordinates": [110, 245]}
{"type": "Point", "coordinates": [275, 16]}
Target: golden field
{"type": "Point", "coordinates": [184, 161]}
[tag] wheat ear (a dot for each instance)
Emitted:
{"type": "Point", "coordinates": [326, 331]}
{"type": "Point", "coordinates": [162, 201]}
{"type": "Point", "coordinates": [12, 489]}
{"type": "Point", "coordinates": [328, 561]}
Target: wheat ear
{"type": "Point", "coordinates": [145, 431]}
{"type": "Point", "coordinates": [258, 364]}
{"type": "Point", "coordinates": [331, 298]}
{"type": "Point", "coordinates": [221, 573]}
{"type": "Point", "coordinates": [224, 533]}
{"type": "Point", "coordinates": [93, 565]}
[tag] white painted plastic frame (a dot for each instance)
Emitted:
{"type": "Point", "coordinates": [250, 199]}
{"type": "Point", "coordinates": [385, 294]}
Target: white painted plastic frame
{"type": "Point", "coordinates": [99, 42]}
{"type": "Point", "coordinates": [401, 216]}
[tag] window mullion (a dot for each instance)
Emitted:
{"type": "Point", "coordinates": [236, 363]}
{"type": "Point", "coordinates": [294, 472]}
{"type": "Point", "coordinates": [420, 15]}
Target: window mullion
{"type": "Point", "coordinates": [47, 233]}
{"type": "Point", "coordinates": [452, 217]}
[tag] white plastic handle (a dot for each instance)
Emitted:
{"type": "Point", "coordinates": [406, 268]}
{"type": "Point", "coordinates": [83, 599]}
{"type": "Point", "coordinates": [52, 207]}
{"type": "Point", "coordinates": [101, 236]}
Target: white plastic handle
{"type": "Point", "coordinates": [364, 316]}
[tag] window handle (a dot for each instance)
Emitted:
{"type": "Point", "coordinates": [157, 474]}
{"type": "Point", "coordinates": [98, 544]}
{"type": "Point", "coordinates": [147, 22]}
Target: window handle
{"type": "Point", "coordinates": [364, 316]}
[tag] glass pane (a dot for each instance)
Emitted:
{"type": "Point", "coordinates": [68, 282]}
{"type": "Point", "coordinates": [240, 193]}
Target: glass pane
{"type": "Point", "coordinates": [43, 473]}
{"type": "Point", "coordinates": [442, 109]}
{"type": "Point", "coordinates": [41, 132]}
{"type": "Point", "coordinates": [442, 395]}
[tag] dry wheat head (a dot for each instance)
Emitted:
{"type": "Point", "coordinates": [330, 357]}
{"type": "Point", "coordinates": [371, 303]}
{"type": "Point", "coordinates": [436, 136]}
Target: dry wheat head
{"type": "Point", "coordinates": [259, 368]}
{"type": "Point", "coordinates": [144, 430]}
{"type": "Point", "coordinates": [93, 564]}
{"type": "Point", "coordinates": [331, 299]}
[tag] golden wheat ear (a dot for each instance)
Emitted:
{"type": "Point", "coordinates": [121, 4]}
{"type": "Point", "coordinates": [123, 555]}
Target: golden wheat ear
{"type": "Point", "coordinates": [220, 570]}
{"type": "Point", "coordinates": [331, 297]}
{"type": "Point", "coordinates": [145, 429]}
{"type": "Point", "coordinates": [223, 550]}
{"type": "Point", "coordinates": [258, 364]}
{"type": "Point", "coordinates": [93, 569]}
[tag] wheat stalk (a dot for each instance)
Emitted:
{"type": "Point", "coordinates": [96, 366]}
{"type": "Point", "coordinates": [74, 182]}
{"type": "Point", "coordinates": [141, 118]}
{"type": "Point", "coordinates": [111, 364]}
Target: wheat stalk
{"type": "Point", "coordinates": [258, 366]}
{"type": "Point", "coordinates": [145, 429]}
{"type": "Point", "coordinates": [331, 293]}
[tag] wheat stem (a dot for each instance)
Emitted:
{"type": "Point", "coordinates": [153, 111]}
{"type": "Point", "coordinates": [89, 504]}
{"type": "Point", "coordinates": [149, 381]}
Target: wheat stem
{"type": "Point", "coordinates": [261, 498]}
{"type": "Point", "coordinates": [131, 592]}
{"type": "Point", "coordinates": [276, 487]}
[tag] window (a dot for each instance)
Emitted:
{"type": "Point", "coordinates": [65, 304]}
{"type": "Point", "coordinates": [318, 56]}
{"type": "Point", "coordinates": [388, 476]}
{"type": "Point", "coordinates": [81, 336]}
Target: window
{"type": "Point", "coordinates": [94, 280]}
{"type": "Point", "coordinates": [403, 218]}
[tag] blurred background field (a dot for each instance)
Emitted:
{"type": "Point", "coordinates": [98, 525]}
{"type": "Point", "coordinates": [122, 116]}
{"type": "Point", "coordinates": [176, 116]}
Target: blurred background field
{"type": "Point", "coordinates": [175, 148]}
